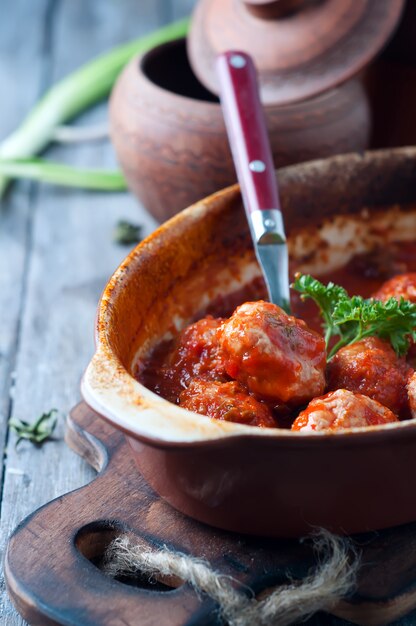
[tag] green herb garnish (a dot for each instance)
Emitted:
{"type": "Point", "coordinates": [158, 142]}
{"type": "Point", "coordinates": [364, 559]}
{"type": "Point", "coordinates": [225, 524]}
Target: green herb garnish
{"type": "Point", "coordinates": [36, 432]}
{"type": "Point", "coordinates": [354, 318]}
{"type": "Point", "coordinates": [126, 233]}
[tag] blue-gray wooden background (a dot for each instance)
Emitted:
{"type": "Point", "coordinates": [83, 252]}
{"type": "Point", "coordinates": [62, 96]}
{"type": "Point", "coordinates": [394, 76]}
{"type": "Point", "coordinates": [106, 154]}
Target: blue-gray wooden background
{"type": "Point", "coordinates": [56, 249]}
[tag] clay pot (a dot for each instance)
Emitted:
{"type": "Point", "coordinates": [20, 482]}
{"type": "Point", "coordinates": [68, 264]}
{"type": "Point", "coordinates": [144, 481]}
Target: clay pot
{"type": "Point", "coordinates": [301, 48]}
{"type": "Point", "coordinates": [269, 482]}
{"type": "Point", "coordinates": [170, 138]}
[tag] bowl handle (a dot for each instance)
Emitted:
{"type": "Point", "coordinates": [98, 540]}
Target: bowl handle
{"type": "Point", "coordinates": [113, 393]}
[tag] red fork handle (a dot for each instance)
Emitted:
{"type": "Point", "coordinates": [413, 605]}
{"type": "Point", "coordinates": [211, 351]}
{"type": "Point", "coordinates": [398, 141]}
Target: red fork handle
{"type": "Point", "coordinates": [247, 132]}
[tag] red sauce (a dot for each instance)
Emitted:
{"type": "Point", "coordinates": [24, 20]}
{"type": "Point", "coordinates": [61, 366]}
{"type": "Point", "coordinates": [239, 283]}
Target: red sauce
{"type": "Point", "coordinates": [172, 366]}
{"type": "Point", "coordinates": [362, 276]}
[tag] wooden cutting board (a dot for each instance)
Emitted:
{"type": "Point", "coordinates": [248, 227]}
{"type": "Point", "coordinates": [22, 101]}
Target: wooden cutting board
{"type": "Point", "coordinates": [51, 562]}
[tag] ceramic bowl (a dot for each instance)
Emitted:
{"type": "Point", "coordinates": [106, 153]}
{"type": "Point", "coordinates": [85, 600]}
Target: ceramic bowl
{"type": "Point", "coordinates": [170, 138]}
{"type": "Point", "coordinates": [266, 482]}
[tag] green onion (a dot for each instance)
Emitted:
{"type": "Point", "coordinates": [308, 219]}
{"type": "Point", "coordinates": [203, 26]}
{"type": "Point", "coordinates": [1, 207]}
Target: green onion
{"type": "Point", "coordinates": [75, 93]}
{"type": "Point", "coordinates": [58, 174]}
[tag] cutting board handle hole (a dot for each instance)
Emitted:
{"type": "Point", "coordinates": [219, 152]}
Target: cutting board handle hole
{"type": "Point", "coordinates": [92, 542]}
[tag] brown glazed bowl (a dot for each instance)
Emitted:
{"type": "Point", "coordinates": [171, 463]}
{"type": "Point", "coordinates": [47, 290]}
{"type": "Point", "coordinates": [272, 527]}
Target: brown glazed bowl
{"type": "Point", "coordinates": [170, 138]}
{"type": "Point", "coordinates": [266, 482]}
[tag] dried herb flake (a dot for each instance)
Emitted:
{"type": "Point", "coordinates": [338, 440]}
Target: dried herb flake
{"type": "Point", "coordinates": [36, 432]}
{"type": "Point", "coordinates": [126, 233]}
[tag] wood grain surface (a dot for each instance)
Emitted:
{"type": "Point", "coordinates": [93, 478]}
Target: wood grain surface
{"type": "Point", "coordinates": [56, 249]}
{"type": "Point", "coordinates": [55, 553]}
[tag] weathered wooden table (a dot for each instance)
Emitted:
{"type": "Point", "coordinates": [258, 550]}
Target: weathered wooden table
{"type": "Point", "coordinates": [56, 248]}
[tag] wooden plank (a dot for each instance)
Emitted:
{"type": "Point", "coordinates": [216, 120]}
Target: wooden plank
{"type": "Point", "coordinates": [14, 213]}
{"type": "Point", "coordinates": [71, 257]}
{"type": "Point", "coordinates": [24, 23]}
{"type": "Point", "coordinates": [182, 8]}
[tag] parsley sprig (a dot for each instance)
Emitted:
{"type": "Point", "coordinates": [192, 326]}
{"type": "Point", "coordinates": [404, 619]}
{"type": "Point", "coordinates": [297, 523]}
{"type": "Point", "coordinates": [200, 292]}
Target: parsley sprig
{"type": "Point", "coordinates": [354, 318]}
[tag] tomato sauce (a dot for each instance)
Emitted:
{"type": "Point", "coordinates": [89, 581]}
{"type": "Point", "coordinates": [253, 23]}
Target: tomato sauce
{"type": "Point", "coordinates": [363, 275]}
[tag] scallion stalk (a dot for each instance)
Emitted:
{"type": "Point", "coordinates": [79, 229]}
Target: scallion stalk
{"type": "Point", "coordinates": [59, 174]}
{"type": "Point", "coordinates": [75, 93]}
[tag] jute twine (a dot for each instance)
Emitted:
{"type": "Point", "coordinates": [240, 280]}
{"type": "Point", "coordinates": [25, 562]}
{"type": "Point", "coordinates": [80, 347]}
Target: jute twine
{"type": "Point", "coordinates": [334, 577]}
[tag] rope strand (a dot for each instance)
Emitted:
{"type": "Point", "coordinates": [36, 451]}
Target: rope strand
{"type": "Point", "coordinates": [333, 578]}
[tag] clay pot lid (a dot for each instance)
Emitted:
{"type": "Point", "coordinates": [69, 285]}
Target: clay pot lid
{"type": "Point", "coordinates": [301, 47]}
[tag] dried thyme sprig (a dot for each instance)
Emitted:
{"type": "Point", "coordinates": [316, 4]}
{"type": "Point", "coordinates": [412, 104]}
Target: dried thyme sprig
{"type": "Point", "coordinates": [36, 432]}
{"type": "Point", "coordinates": [126, 233]}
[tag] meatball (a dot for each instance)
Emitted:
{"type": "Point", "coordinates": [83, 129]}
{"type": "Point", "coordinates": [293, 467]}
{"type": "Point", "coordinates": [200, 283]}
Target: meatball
{"type": "Point", "coordinates": [342, 409]}
{"type": "Point", "coordinates": [197, 353]}
{"type": "Point", "coordinates": [411, 390]}
{"type": "Point", "coordinates": [226, 401]}
{"type": "Point", "coordinates": [411, 355]}
{"type": "Point", "coordinates": [371, 367]}
{"type": "Point", "coordinates": [402, 286]}
{"type": "Point", "coordinates": [274, 354]}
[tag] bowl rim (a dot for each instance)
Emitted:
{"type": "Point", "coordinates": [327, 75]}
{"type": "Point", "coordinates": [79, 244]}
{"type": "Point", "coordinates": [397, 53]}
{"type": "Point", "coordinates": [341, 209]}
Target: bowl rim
{"type": "Point", "coordinates": [139, 59]}
{"type": "Point", "coordinates": [110, 390]}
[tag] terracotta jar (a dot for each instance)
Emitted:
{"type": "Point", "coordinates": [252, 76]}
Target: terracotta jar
{"type": "Point", "coordinates": [167, 128]}
{"type": "Point", "coordinates": [170, 139]}
{"type": "Point", "coordinates": [300, 47]}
